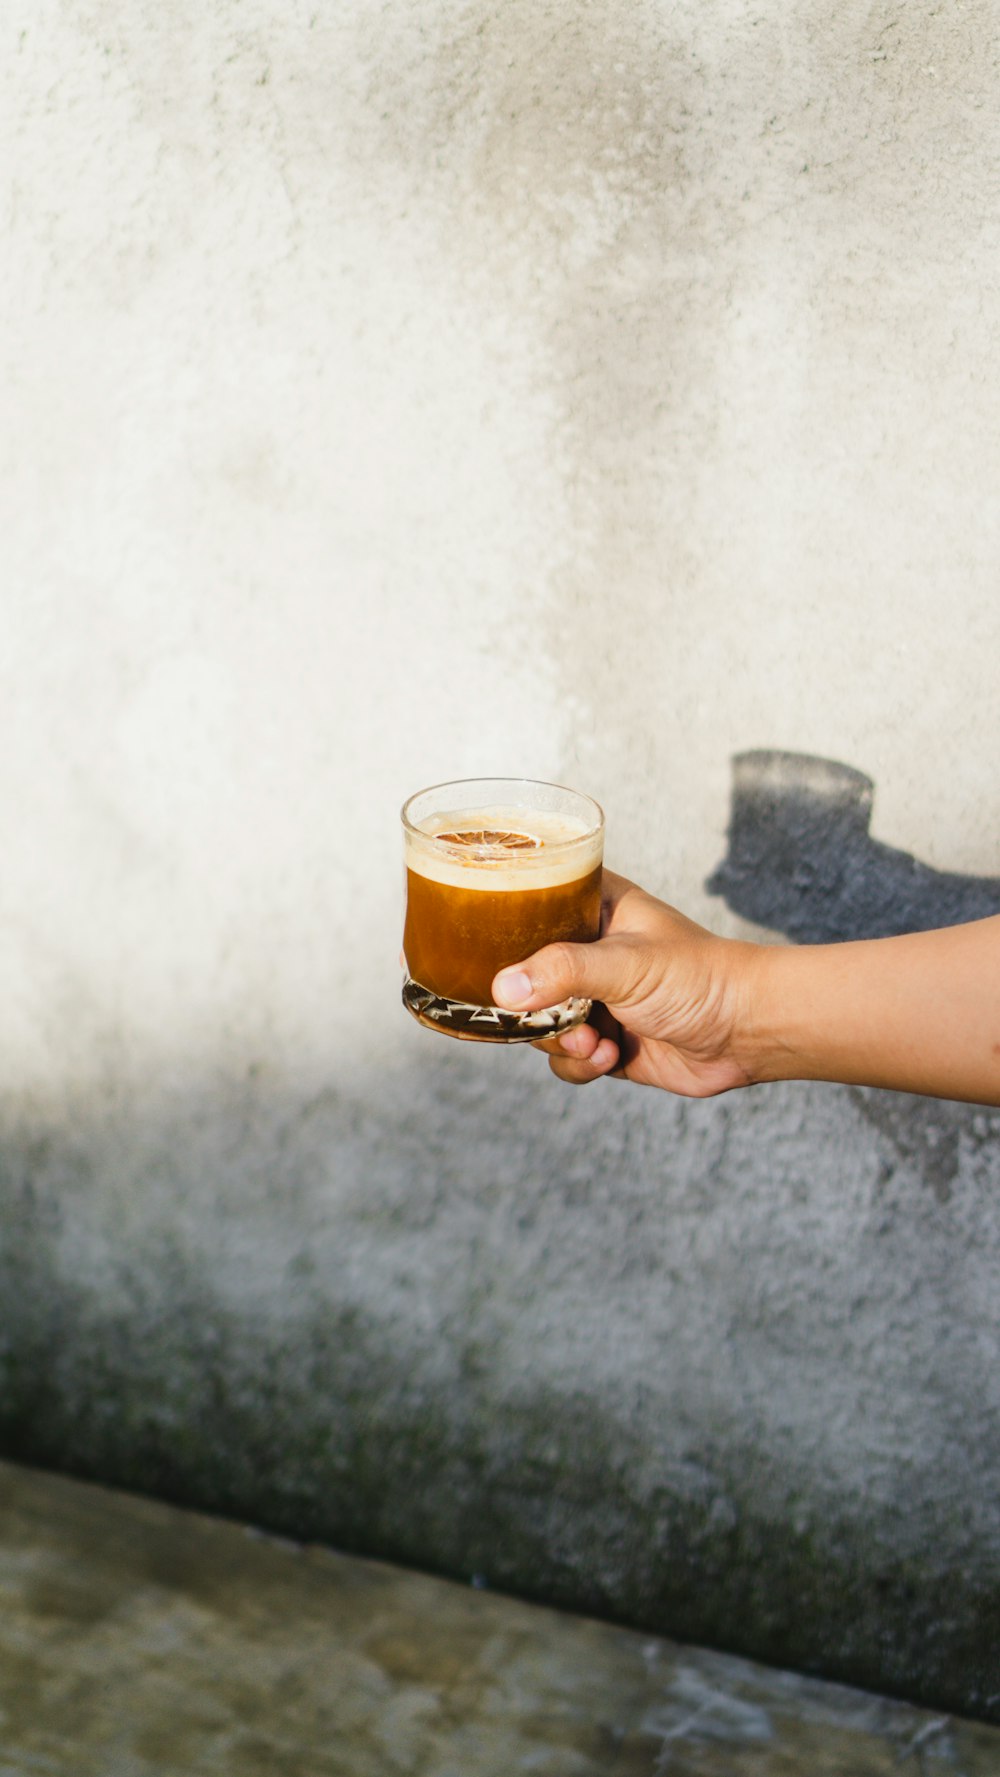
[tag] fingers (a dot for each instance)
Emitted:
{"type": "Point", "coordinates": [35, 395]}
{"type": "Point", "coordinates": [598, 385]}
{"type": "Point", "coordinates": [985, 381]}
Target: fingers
{"type": "Point", "coordinates": [608, 970]}
{"type": "Point", "coordinates": [581, 1055]}
{"type": "Point", "coordinates": [614, 890]}
{"type": "Point", "coordinates": [576, 1071]}
{"type": "Point", "coordinates": [580, 1043]}
{"type": "Point", "coordinates": [625, 907]}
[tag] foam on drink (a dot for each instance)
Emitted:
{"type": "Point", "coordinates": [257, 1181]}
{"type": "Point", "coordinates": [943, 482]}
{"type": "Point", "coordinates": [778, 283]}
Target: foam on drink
{"type": "Point", "coordinates": [501, 849]}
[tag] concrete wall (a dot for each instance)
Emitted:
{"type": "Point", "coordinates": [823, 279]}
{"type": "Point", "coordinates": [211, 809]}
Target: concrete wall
{"type": "Point", "coordinates": [395, 391]}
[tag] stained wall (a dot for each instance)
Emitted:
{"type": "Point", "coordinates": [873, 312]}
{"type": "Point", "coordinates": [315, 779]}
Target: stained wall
{"type": "Point", "coordinates": [606, 393]}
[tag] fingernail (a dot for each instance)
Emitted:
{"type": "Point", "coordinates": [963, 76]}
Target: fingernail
{"type": "Point", "coordinates": [573, 1042]}
{"type": "Point", "coordinates": [512, 988]}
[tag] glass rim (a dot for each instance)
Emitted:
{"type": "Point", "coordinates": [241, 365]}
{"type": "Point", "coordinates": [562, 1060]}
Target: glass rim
{"type": "Point", "coordinates": [596, 826]}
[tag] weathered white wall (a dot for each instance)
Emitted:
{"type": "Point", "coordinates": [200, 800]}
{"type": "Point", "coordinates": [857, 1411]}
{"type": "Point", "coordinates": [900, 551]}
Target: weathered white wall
{"type": "Point", "coordinates": [395, 391]}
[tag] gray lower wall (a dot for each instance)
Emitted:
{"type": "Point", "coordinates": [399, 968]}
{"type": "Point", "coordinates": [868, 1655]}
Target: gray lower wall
{"type": "Point", "coordinates": [725, 1369]}
{"type": "Point", "coordinates": [609, 394]}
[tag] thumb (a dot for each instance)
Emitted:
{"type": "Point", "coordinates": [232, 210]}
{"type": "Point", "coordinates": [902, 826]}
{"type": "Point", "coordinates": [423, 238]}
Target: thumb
{"type": "Point", "coordinates": [604, 970]}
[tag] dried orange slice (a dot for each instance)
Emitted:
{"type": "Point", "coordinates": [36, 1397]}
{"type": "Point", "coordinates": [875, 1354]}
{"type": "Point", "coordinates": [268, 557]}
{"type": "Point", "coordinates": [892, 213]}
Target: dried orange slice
{"type": "Point", "coordinates": [495, 838]}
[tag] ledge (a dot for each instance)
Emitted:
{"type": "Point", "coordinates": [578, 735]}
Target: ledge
{"type": "Point", "coordinates": [139, 1638]}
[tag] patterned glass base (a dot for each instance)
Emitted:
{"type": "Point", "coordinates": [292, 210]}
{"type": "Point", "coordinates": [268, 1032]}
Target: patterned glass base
{"type": "Point", "coordinates": [488, 1024]}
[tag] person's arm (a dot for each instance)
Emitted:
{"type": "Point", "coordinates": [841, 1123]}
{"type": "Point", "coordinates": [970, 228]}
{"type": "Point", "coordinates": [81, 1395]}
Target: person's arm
{"type": "Point", "coordinates": [919, 1013]}
{"type": "Point", "coordinates": [697, 1014]}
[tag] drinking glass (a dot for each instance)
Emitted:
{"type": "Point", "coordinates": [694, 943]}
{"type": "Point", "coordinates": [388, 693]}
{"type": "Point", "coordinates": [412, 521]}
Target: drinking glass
{"type": "Point", "coordinates": [495, 868]}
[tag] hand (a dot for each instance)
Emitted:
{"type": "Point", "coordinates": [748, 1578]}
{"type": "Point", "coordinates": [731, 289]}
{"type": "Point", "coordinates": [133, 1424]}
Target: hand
{"type": "Point", "coordinates": [675, 1001]}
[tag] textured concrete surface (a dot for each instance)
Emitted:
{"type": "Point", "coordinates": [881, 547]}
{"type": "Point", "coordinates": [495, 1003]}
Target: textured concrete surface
{"type": "Point", "coordinates": [394, 392]}
{"type": "Point", "coordinates": [138, 1639]}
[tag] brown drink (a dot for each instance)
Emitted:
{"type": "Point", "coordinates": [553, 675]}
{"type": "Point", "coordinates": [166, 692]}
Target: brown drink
{"type": "Point", "coordinates": [495, 868]}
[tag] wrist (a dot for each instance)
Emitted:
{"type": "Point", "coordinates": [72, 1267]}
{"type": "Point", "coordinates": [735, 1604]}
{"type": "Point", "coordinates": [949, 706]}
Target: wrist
{"type": "Point", "coordinates": [762, 1045]}
{"type": "Point", "coordinates": [803, 1020]}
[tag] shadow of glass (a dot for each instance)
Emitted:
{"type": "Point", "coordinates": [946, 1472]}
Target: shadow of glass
{"type": "Point", "coordinates": [802, 861]}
